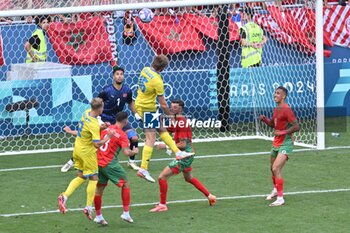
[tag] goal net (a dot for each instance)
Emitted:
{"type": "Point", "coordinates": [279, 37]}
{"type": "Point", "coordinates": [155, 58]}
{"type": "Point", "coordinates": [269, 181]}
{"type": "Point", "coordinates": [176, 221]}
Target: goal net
{"type": "Point", "coordinates": [206, 71]}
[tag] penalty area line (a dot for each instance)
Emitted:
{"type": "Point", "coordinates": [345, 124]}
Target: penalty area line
{"type": "Point", "coordinates": [184, 201]}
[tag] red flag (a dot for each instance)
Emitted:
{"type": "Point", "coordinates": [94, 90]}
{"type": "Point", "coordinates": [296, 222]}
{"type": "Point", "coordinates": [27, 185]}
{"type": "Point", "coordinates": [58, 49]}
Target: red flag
{"type": "Point", "coordinates": [209, 26]}
{"type": "Point", "coordinates": [169, 35]}
{"type": "Point", "coordinates": [2, 60]}
{"type": "Point", "coordinates": [84, 42]}
{"type": "Point", "coordinates": [337, 24]}
{"type": "Point", "coordinates": [288, 24]}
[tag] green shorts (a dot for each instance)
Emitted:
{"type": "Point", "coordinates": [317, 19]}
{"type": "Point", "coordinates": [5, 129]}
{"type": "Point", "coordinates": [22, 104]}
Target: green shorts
{"type": "Point", "coordinates": [283, 149]}
{"type": "Point", "coordinates": [183, 165]}
{"type": "Point", "coordinates": [114, 172]}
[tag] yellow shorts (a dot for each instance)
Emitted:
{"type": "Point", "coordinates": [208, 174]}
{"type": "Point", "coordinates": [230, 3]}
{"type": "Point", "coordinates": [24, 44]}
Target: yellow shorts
{"type": "Point", "coordinates": [141, 110]}
{"type": "Point", "coordinates": [87, 163]}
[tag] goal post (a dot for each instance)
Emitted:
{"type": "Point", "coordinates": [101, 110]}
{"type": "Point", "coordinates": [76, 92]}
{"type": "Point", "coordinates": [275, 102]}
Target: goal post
{"type": "Point", "coordinates": [202, 40]}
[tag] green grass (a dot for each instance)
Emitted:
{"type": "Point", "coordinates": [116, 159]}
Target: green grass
{"type": "Point", "coordinates": [36, 190]}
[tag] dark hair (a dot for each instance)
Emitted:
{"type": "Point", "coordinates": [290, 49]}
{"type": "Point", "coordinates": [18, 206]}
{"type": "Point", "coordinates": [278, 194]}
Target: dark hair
{"type": "Point", "coordinates": [117, 68]}
{"type": "Point", "coordinates": [179, 102]}
{"type": "Point", "coordinates": [283, 89]}
{"type": "Point", "coordinates": [39, 19]}
{"type": "Point", "coordinates": [160, 62]}
{"type": "Point", "coordinates": [121, 116]}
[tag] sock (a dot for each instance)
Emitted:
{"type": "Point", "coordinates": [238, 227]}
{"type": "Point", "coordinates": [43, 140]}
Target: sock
{"type": "Point", "coordinates": [279, 187]}
{"type": "Point", "coordinates": [146, 156]}
{"type": "Point", "coordinates": [98, 204]}
{"type": "Point", "coordinates": [126, 199]}
{"type": "Point", "coordinates": [73, 185]}
{"type": "Point", "coordinates": [199, 186]}
{"type": "Point", "coordinates": [163, 189]}
{"type": "Point", "coordinates": [166, 138]}
{"type": "Point", "coordinates": [71, 162]}
{"type": "Point", "coordinates": [90, 192]}
{"type": "Point", "coordinates": [274, 181]}
{"type": "Point", "coordinates": [132, 145]}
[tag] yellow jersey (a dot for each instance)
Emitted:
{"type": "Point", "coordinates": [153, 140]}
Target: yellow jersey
{"type": "Point", "coordinates": [88, 132]}
{"type": "Point", "coordinates": [150, 86]}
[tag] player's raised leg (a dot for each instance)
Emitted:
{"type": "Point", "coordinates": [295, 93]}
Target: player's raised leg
{"type": "Point", "coordinates": [134, 143]}
{"type": "Point", "coordinates": [196, 183]}
{"type": "Point", "coordinates": [277, 166]}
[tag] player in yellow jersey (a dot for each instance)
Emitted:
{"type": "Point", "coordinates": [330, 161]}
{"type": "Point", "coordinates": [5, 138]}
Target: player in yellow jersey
{"type": "Point", "coordinates": [150, 88]}
{"type": "Point", "coordinates": [84, 155]}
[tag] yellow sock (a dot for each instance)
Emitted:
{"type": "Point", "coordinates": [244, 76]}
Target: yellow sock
{"type": "Point", "coordinates": [166, 138]}
{"type": "Point", "coordinates": [146, 156]}
{"type": "Point", "coordinates": [90, 192]}
{"type": "Point", "coordinates": [73, 185]}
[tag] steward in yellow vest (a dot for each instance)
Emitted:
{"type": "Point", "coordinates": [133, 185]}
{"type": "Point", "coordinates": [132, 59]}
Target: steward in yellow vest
{"type": "Point", "coordinates": [36, 44]}
{"type": "Point", "coordinates": [252, 41]}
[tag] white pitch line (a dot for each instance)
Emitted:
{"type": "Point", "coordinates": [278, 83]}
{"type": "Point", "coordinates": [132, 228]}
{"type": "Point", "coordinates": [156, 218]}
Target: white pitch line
{"type": "Point", "coordinates": [171, 158]}
{"type": "Point", "coordinates": [184, 201]}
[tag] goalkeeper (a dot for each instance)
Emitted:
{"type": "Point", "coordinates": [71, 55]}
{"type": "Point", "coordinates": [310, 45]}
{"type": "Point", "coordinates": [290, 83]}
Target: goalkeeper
{"type": "Point", "coordinates": [150, 88]}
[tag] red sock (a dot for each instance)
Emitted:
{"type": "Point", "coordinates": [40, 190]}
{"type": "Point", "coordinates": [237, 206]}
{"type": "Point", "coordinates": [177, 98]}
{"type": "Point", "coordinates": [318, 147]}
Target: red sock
{"type": "Point", "coordinates": [98, 204]}
{"type": "Point", "coordinates": [199, 186]}
{"type": "Point", "coordinates": [274, 181]}
{"type": "Point", "coordinates": [163, 189]}
{"type": "Point", "coordinates": [279, 187]}
{"type": "Point", "coordinates": [126, 198]}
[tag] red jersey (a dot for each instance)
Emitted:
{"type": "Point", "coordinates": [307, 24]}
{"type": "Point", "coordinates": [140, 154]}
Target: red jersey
{"type": "Point", "coordinates": [106, 153]}
{"type": "Point", "coordinates": [283, 117]}
{"type": "Point", "coordinates": [181, 129]}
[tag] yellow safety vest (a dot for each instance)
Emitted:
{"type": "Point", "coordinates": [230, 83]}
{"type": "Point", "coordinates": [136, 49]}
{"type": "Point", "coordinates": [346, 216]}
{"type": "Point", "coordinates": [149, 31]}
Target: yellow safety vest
{"type": "Point", "coordinates": [250, 55]}
{"type": "Point", "coordinates": [41, 53]}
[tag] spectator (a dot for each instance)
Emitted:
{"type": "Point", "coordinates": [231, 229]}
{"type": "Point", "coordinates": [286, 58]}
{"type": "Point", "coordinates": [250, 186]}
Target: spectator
{"type": "Point", "coordinates": [7, 20]}
{"type": "Point", "coordinates": [252, 40]}
{"type": "Point", "coordinates": [36, 44]}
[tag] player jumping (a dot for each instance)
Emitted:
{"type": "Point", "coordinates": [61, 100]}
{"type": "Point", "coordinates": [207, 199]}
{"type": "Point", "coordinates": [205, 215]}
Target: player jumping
{"type": "Point", "coordinates": [183, 138]}
{"type": "Point", "coordinates": [150, 87]}
{"type": "Point", "coordinates": [285, 123]}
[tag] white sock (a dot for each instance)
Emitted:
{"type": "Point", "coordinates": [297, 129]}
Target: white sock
{"type": "Point", "coordinates": [99, 217]}
{"type": "Point", "coordinates": [70, 162]}
{"type": "Point", "coordinates": [280, 198]}
{"type": "Point", "coordinates": [126, 213]}
{"type": "Point", "coordinates": [131, 161]}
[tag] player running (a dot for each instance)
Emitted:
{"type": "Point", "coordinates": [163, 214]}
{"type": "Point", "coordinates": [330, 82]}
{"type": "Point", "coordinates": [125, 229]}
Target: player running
{"type": "Point", "coordinates": [115, 96]}
{"type": "Point", "coordinates": [150, 87]}
{"type": "Point", "coordinates": [285, 123]}
{"type": "Point", "coordinates": [84, 155]}
{"type": "Point", "coordinates": [183, 138]}
{"type": "Point", "coordinates": [109, 167]}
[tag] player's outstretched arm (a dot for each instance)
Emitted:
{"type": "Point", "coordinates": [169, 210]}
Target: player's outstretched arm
{"type": "Point", "coordinates": [67, 129]}
{"type": "Point", "coordinates": [267, 121]}
{"type": "Point", "coordinates": [111, 133]}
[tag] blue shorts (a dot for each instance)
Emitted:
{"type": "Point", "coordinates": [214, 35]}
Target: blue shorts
{"type": "Point", "coordinates": [131, 132]}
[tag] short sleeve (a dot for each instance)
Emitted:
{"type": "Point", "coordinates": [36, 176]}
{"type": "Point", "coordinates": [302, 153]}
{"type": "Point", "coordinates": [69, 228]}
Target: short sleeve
{"type": "Point", "coordinates": [95, 131]}
{"type": "Point", "coordinates": [159, 87]}
{"type": "Point", "coordinates": [290, 116]}
{"type": "Point", "coordinates": [123, 141]}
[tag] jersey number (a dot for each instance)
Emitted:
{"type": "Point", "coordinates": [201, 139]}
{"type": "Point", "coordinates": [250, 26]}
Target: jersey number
{"type": "Point", "coordinates": [118, 102]}
{"type": "Point", "coordinates": [80, 128]}
{"type": "Point", "coordinates": [142, 81]}
{"type": "Point", "coordinates": [104, 147]}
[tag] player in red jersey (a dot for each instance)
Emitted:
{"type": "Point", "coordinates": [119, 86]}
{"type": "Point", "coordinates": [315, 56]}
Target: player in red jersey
{"type": "Point", "coordinates": [285, 123]}
{"type": "Point", "coordinates": [183, 138]}
{"type": "Point", "coordinates": [109, 167]}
